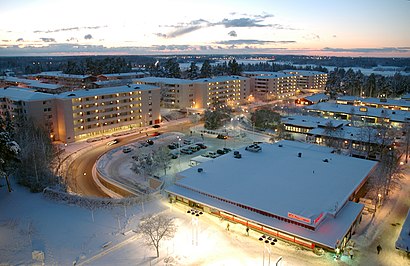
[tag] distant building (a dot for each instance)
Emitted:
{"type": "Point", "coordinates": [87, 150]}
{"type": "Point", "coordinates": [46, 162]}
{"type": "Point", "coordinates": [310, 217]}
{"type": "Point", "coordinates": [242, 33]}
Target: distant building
{"type": "Point", "coordinates": [221, 91]}
{"type": "Point", "coordinates": [300, 193]}
{"type": "Point", "coordinates": [175, 93]}
{"type": "Point", "coordinates": [309, 81]}
{"type": "Point", "coordinates": [313, 99]}
{"type": "Point", "coordinates": [35, 85]}
{"type": "Point", "coordinates": [268, 86]}
{"type": "Point", "coordinates": [69, 81]}
{"type": "Point", "coordinates": [360, 114]}
{"type": "Point", "coordinates": [387, 103]}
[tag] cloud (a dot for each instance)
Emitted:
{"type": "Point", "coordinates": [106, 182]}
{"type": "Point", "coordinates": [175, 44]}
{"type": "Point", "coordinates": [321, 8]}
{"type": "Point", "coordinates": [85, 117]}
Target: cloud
{"type": "Point", "coordinates": [194, 25]}
{"type": "Point", "coordinates": [20, 40]}
{"type": "Point", "coordinates": [88, 37]}
{"type": "Point", "coordinates": [247, 42]}
{"type": "Point", "coordinates": [72, 39]}
{"type": "Point", "coordinates": [368, 50]}
{"type": "Point", "coordinates": [232, 33]}
{"type": "Point", "coordinates": [70, 29]}
{"type": "Point", "coordinates": [48, 39]}
{"type": "Point", "coordinates": [6, 40]}
{"type": "Point", "coordinates": [242, 22]}
{"type": "Point", "coordinates": [282, 27]}
{"type": "Point", "coordinates": [334, 36]}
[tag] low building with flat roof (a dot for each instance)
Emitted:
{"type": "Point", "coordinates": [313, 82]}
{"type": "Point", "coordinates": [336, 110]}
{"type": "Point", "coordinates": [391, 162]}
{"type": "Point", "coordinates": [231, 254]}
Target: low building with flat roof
{"type": "Point", "coordinates": [305, 123]}
{"type": "Point", "coordinates": [295, 191]}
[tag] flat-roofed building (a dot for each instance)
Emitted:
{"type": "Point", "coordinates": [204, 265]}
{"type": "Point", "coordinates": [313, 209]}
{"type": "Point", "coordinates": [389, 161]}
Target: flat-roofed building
{"type": "Point", "coordinates": [68, 81]}
{"type": "Point", "coordinates": [221, 91]}
{"type": "Point", "coordinates": [294, 191]}
{"type": "Point", "coordinates": [309, 81]}
{"type": "Point", "coordinates": [175, 93]}
{"type": "Point", "coordinates": [312, 99]}
{"type": "Point", "coordinates": [304, 123]}
{"type": "Point", "coordinates": [268, 86]}
{"type": "Point", "coordinates": [39, 106]}
{"type": "Point", "coordinates": [86, 113]}
{"type": "Point", "coordinates": [31, 84]}
{"type": "Point", "coordinates": [387, 103]}
{"type": "Point", "coordinates": [361, 114]}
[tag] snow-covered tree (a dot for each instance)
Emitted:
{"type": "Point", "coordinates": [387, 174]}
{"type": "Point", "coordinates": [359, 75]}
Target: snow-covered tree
{"type": "Point", "coordinates": [9, 153]}
{"type": "Point", "coordinates": [157, 228]}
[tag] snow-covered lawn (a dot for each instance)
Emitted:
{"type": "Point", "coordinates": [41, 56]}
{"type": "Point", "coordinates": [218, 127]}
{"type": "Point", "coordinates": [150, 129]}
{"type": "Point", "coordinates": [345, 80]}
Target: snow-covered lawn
{"type": "Point", "coordinates": [67, 233]}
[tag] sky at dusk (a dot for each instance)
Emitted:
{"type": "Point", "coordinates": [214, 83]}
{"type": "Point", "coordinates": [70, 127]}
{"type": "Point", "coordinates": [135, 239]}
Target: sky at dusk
{"type": "Point", "coordinates": [322, 27]}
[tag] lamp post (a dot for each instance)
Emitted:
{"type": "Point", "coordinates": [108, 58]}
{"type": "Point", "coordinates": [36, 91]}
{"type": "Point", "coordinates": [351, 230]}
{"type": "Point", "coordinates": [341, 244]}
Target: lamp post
{"type": "Point", "coordinates": [267, 240]}
{"type": "Point", "coordinates": [195, 225]}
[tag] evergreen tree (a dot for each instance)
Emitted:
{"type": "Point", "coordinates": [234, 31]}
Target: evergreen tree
{"type": "Point", "coordinates": [206, 69]}
{"type": "Point", "coordinates": [234, 68]}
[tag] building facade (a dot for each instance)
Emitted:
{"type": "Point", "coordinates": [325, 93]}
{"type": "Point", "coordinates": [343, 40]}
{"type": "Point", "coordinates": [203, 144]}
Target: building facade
{"type": "Point", "coordinates": [221, 91]}
{"type": "Point", "coordinates": [175, 93]}
{"type": "Point", "coordinates": [309, 81]}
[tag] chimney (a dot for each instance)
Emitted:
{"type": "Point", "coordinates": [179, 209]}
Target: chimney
{"type": "Point", "coordinates": [299, 154]}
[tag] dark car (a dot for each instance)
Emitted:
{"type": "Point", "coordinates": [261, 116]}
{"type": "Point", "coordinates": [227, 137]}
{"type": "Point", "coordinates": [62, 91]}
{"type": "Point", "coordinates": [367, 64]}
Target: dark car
{"type": "Point", "coordinates": [150, 142]}
{"type": "Point", "coordinates": [226, 150]}
{"type": "Point", "coordinates": [201, 145]}
{"type": "Point", "coordinates": [172, 146]}
{"type": "Point", "coordinates": [219, 151]}
{"type": "Point", "coordinates": [220, 136]}
{"type": "Point", "coordinates": [156, 126]}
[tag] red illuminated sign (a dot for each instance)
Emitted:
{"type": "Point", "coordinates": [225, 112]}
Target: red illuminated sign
{"type": "Point", "coordinates": [318, 218]}
{"type": "Point", "coordinates": [298, 217]}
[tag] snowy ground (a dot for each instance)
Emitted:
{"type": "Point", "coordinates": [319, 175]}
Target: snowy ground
{"type": "Point", "coordinates": [69, 233]}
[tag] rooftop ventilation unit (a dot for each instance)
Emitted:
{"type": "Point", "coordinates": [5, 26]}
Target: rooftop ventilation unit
{"type": "Point", "coordinates": [200, 170]}
{"type": "Point", "coordinates": [299, 154]}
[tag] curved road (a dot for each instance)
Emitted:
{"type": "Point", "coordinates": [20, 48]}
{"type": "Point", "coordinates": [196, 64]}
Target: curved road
{"type": "Point", "coordinates": [79, 173]}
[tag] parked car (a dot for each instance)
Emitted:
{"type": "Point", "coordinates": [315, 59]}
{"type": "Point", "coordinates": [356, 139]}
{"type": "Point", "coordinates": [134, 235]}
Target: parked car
{"type": "Point", "coordinates": [221, 136]}
{"type": "Point", "coordinates": [201, 145]}
{"type": "Point", "coordinates": [127, 150]}
{"type": "Point", "coordinates": [186, 151]}
{"type": "Point", "coordinates": [172, 146]}
{"type": "Point", "coordinates": [211, 154]}
{"type": "Point", "coordinates": [187, 141]}
{"type": "Point", "coordinates": [194, 148]}
{"type": "Point", "coordinates": [150, 141]}
{"type": "Point", "coordinates": [112, 142]}
{"type": "Point", "coordinates": [173, 156]}
{"type": "Point", "coordinates": [253, 148]}
{"type": "Point", "coordinates": [226, 150]}
{"type": "Point", "coordinates": [156, 126]}
{"type": "Point", "coordinates": [155, 134]}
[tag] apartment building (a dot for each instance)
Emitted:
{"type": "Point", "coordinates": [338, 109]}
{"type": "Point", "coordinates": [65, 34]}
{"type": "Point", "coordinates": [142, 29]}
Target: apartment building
{"type": "Point", "coordinates": [69, 81]}
{"type": "Point", "coordinates": [268, 86]}
{"type": "Point", "coordinates": [24, 102]}
{"type": "Point", "coordinates": [221, 91]}
{"type": "Point", "coordinates": [81, 114]}
{"type": "Point", "coordinates": [86, 113]}
{"type": "Point", "coordinates": [175, 93]}
{"type": "Point", "coordinates": [309, 81]}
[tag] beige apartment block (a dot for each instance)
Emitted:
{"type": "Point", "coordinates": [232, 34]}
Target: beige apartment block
{"type": "Point", "coordinates": [309, 81]}
{"type": "Point", "coordinates": [81, 114]}
{"type": "Point", "coordinates": [268, 86]}
{"type": "Point", "coordinates": [175, 93]}
{"type": "Point", "coordinates": [221, 91]}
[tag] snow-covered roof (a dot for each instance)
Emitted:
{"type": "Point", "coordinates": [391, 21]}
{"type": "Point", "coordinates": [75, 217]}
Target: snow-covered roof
{"type": "Point", "coordinates": [394, 115]}
{"type": "Point", "coordinates": [60, 74]}
{"type": "Point", "coordinates": [303, 72]}
{"type": "Point", "coordinates": [267, 74]}
{"type": "Point", "coordinates": [330, 231]}
{"type": "Point", "coordinates": [119, 75]}
{"type": "Point", "coordinates": [106, 91]}
{"type": "Point", "coordinates": [362, 134]}
{"type": "Point", "coordinates": [406, 96]}
{"type": "Point", "coordinates": [403, 241]}
{"type": "Point", "coordinates": [164, 80]}
{"type": "Point", "coordinates": [269, 181]}
{"type": "Point", "coordinates": [315, 98]}
{"type": "Point", "coordinates": [311, 121]}
{"type": "Point", "coordinates": [23, 94]}
{"type": "Point", "coordinates": [219, 79]}
{"type": "Point", "coordinates": [374, 100]}
{"type": "Point", "coordinates": [32, 83]}
{"type": "Point", "coordinates": [111, 83]}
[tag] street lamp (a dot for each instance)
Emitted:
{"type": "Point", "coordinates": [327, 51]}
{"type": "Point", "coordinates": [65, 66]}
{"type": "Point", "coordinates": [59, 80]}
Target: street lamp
{"type": "Point", "coordinates": [379, 197]}
{"type": "Point", "coordinates": [267, 240]}
{"type": "Point", "coordinates": [195, 225]}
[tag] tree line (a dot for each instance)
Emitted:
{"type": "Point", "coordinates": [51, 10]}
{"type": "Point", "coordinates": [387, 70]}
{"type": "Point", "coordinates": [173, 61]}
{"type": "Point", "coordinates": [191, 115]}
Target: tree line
{"type": "Point", "coordinates": [355, 83]}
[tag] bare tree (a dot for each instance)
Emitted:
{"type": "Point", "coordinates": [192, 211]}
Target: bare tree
{"type": "Point", "coordinates": [156, 228]}
{"type": "Point", "coordinates": [161, 158]}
